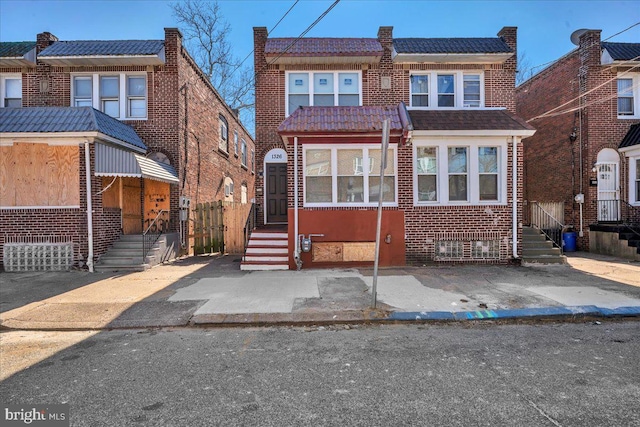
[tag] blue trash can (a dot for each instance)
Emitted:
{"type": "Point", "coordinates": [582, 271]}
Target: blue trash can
{"type": "Point", "coordinates": [569, 241]}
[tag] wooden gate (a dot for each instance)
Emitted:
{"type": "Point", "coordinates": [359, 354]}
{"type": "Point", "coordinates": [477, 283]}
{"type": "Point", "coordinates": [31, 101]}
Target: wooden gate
{"type": "Point", "coordinates": [218, 227]}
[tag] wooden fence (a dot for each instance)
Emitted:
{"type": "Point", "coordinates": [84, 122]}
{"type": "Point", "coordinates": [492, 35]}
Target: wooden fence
{"type": "Point", "coordinates": [218, 227]}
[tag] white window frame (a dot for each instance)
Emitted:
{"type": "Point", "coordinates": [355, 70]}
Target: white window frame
{"type": "Point", "coordinates": [243, 152]}
{"type": "Point", "coordinates": [458, 93]}
{"type": "Point", "coordinates": [235, 143]}
{"type": "Point", "coordinates": [123, 97]}
{"type": "Point", "coordinates": [635, 90]}
{"type": "Point", "coordinates": [334, 174]}
{"type": "Point", "coordinates": [311, 80]}
{"type": "Point", "coordinates": [634, 198]}
{"type": "Point", "coordinates": [3, 86]}
{"type": "Point", "coordinates": [473, 175]}
{"type": "Point", "coordinates": [223, 144]}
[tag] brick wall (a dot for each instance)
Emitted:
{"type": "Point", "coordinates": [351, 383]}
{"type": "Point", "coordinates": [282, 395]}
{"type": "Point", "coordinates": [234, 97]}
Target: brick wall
{"type": "Point", "coordinates": [552, 160]}
{"type": "Point", "coordinates": [422, 224]}
{"type": "Point", "coordinates": [182, 123]}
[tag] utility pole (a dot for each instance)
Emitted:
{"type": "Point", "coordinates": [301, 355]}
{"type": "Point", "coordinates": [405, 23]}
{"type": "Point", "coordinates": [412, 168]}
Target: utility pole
{"type": "Point", "coordinates": [383, 166]}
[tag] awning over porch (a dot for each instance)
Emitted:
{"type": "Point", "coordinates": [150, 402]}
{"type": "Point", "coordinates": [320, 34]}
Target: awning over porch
{"type": "Point", "coordinates": [112, 161]}
{"type": "Point", "coordinates": [631, 139]}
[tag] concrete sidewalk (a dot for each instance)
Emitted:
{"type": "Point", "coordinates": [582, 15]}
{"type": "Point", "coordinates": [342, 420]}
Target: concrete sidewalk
{"type": "Point", "coordinates": [213, 291]}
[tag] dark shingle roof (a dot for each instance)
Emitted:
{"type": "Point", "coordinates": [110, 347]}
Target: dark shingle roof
{"type": "Point", "coordinates": [323, 46]}
{"type": "Point", "coordinates": [632, 137]}
{"type": "Point", "coordinates": [66, 119]}
{"type": "Point", "coordinates": [103, 48]}
{"type": "Point", "coordinates": [623, 51]}
{"type": "Point", "coordinates": [467, 120]}
{"type": "Point", "coordinates": [451, 45]}
{"type": "Point", "coordinates": [15, 49]}
{"type": "Point", "coordinates": [342, 119]}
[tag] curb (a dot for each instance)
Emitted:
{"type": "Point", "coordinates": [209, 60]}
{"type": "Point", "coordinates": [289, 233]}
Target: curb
{"type": "Point", "coordinates": [581, 310]}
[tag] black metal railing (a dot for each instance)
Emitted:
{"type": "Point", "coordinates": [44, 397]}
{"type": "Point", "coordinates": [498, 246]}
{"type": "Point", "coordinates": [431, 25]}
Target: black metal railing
{"type": "Point", "coordinates": [249, 225]}
{"type": "Point", "coordinates": [630, 215]}
{"type": "Point", "coordinates": [547, 223]}
{"type": "Point", "coordinates": [155, 228]}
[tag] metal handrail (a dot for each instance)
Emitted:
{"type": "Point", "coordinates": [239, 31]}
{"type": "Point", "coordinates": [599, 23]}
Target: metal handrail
{"type": "Point", "coordinates": [149, 239]}
{"type": "Point", "coordinates": [631, 217]}
{"type": "Point", "coordinates": [249, 225]}
{"type": "Point", "coordinates": [547, 224]}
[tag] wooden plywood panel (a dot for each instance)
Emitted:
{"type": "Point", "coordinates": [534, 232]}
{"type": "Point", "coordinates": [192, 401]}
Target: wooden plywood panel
{"type": "Point", "coordinates": [364, 251]}
{"type": "Point", "coordinates": [327, 252]}
{"type": "Point", "coordinates": [7, 175]}
{"type": "Point", "coordinates": [32, 179]}
{"type": "Point", "coordinates": [156, 198]}
{"type": "Point", "coordinates": [131, 206]}
{"type": "Point", "coordinates": [111, 197]}
{"type": "Point", "coordinates": [63, 176]}
{"type": "Point", "coordinates": [235, 218]}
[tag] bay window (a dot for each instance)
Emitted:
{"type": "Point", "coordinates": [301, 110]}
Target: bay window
{"type": "Point", "coordinates": [451, 89]}
{"type": "Point", "coordinates": [346, 175]}
{"type": "Point", "coordinates": [119, 95]}
{"type": "Point", "coordinates": [458, 171]}
{"type": "Point", "coordinates": [322, 89]}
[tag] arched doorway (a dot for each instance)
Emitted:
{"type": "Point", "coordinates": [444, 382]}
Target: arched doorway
{"type": "Point", "coordinates": [608, 167]}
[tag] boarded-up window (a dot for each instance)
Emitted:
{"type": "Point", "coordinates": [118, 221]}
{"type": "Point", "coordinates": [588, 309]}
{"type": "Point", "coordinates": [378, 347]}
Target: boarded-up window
{"type": "Point", "coordinates": [39, 175]}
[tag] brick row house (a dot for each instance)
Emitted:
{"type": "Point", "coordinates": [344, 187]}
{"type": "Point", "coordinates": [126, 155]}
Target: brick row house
{"type": "Point", "coordinates": [582, 166]}
{"type": "Point", "coordinates": [101, 140]}
{"type": "Point", "coordinates": [452, 186]}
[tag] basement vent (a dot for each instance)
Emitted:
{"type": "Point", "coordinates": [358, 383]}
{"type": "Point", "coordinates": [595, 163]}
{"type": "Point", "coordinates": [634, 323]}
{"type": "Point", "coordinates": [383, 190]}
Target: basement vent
{"type": "Point", "coordinates": [38, 256]}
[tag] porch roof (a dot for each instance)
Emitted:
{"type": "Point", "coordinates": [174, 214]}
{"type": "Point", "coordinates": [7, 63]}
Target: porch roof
{"type": "Point", "coordinates": [632, 137]}
{"type": "Point", "coordinates": [483, 121]}
{"type": "Point", "coordinates": [17, 54]}
{"type": "Point", "coordinates": [362, 120]}
{"type": "Point", "coordinates": [622, 51]}
{"type": "Point", "coordinates": [42, 122]}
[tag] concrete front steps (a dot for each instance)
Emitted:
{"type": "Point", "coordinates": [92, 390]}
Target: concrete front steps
{"type": "Point", "coordinates": [126, 255]}
{"type": "Point", "coordinates": [267, 250]}
{"type": "Point", "coordinates": [537, 249]}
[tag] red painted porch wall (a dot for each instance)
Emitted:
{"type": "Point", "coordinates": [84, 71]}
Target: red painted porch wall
{"type": "Point", "coordinates": [347, 225]}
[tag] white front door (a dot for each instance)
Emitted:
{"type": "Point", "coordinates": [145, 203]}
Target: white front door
{"type": "Point", "coordinates": [608, 192]}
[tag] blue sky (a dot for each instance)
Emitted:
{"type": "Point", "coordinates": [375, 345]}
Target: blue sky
{"type": "Point", "coordinates": [544, 27]}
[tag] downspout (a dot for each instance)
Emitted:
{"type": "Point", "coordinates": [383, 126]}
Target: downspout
{"type": "Point", "coordinates": [87, 162]}
{"type": "Point", "coordinates": [514, 193]}
{"type": "Point", "coordinates": [296, 251]}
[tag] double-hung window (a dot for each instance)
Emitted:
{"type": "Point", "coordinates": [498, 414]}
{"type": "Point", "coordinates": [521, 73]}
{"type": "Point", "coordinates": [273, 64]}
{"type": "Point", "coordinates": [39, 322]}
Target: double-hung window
{"type": "Point", "coordinates": [11, 90]}
{"type": "Point", "coordinates": [243, 152]}
{"type": "Point", "coordinates": [235, 143]}
{"type": "Point", "coordinates": [628, 92]}
{"type": "Point", "coordinates": [120, 95]}
{"type": "Point", "coordinates": [82, 91]}
{"type": "Point", "coordinates": [347, 175]}
{"type": "Point", "coordinates": [223, 144]}
{"type": "Point", "coordinates": [637, 181]}
{"type": "Point", "coordinates": [446, 89]}
{"type": "Point", "coordinates": [459, 172]}
{"type": "Point", "coordinates": [109, 94]}
{"type": "Point", "coordinates": [322, 89]}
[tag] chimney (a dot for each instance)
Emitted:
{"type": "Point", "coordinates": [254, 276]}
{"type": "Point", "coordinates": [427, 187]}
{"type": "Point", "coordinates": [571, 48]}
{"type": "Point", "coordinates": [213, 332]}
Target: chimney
{"type": "Point", "coordinates": [260, 36]}
{"type": "Point", "coordinates": [44, 40]}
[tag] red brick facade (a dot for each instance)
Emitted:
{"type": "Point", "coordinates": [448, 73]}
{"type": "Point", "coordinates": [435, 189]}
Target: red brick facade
{"type": "Point", "coordinates": [423, 225]}
{"type": "Point", "coordinates": [577, 94]}
{"type": "Point", "coordinates": [183, 111]}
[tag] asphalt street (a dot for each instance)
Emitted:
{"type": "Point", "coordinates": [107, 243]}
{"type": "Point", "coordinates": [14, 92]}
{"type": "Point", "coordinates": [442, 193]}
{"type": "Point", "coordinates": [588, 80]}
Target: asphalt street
{"type": "Point", "coordinates": [476, 373]}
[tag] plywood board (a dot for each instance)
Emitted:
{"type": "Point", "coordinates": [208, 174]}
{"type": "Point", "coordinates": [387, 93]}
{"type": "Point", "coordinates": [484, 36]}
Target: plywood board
{"type": "Point", "coordinates": [235, 218]}
{"type": "Point", "coordinates": [131, 206]}
{"type": "Point", "coordinates": [32, 178]}
{"type": "Point", "coordinates": [156, 199]}
{"type": "Point", "coordinates": [111, 197]}
{"type": "Point", "coordinates": [327, 252]}
{"type": "Point", "coordinates": [63, 175]}
{"type": "Point", "coordinates": [360, 251]}
{"type": "Point", "coordinates": [7, 175]}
